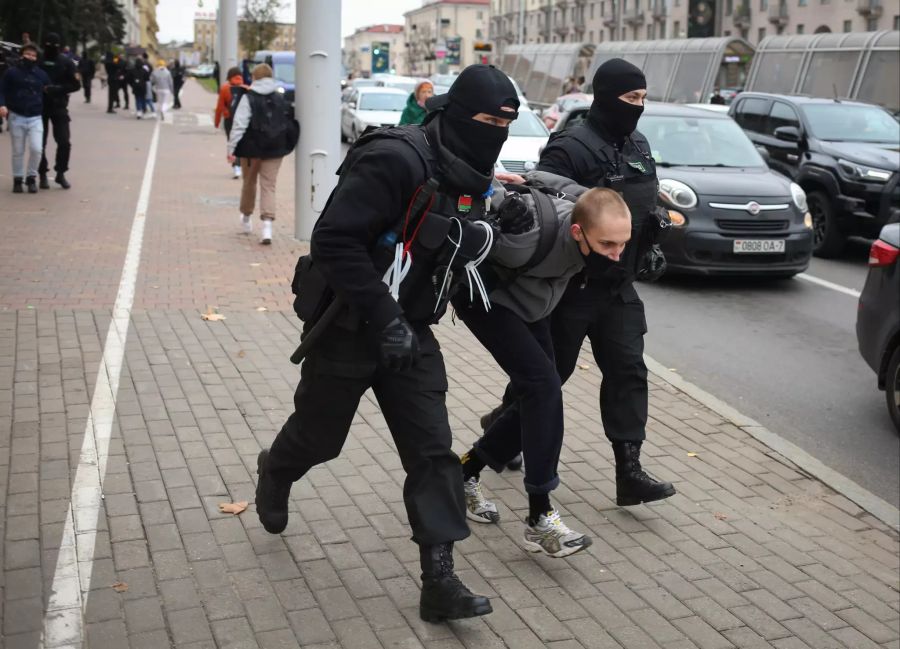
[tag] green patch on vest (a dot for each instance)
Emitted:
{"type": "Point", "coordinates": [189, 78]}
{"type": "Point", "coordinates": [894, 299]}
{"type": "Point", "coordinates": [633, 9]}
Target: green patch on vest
{"type": "Point", "coordinates": [639, 166]}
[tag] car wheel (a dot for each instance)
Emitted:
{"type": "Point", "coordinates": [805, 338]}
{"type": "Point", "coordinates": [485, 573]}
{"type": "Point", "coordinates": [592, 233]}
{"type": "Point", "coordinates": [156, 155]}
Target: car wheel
{"type": "Point", "coordinates": [828, 240]}
{"type": "Point", "coordinates": [892, 388]}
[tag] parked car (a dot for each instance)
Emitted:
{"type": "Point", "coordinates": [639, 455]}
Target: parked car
{"type": "Point", "coordinates": [522, 149]}
{"type": "Point", "coordinates": [202, 71]}
{"type": "Point", "coordinates": [552, 114]}
{"type": "Point", "coordinates": [716, 108]}
{"type": "Point", "coordinates": [731, 214]}
{"type": "Point", "coordinates": [371, 106]}
{"type": "Point", "coordinates": [407, 84]}
{"type": "Point", "coordinates": [878, 317]}
{"type": "Point", "coordinates": [843, 153]}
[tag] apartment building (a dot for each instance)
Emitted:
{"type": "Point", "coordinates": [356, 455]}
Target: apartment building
{"type": "Point", "coordinates": [359, 46]}
{"type": "Point", "coordinates": [442, 36]}
{"type": "Point", "coordinates": [205, 32]}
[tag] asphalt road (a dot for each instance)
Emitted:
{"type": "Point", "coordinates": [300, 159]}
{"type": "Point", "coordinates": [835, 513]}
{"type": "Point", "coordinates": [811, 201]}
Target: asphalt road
{"type": "Point", "coordinates": [785, 354]}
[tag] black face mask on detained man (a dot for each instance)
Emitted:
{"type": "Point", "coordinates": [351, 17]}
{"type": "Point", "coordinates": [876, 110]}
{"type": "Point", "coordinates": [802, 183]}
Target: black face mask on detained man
{"type": "Point", "coordinates": [612, 115]}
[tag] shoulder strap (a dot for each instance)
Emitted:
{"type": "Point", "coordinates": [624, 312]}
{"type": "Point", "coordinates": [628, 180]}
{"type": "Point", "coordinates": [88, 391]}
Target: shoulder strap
{"type": "Point", "coordinates": [592, 142]}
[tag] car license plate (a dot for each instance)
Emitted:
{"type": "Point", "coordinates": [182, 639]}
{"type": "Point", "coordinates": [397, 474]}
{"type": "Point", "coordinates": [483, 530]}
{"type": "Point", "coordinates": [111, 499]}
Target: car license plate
{"type": "Point", "coordinates": [758, 246]}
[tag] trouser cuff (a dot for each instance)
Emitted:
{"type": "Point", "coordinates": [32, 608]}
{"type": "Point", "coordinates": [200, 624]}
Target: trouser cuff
{"type": "Point", "coordinates": [541, 489]}
{"type": "Point", "coordinates": [484, 456]}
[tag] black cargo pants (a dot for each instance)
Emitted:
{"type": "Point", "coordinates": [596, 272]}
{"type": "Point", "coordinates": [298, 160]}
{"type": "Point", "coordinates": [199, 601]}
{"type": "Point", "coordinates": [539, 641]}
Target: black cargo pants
{"type": "Point", "coordinates": [59, 118]}
{"type": "Point", "coordinates": [333, 378]}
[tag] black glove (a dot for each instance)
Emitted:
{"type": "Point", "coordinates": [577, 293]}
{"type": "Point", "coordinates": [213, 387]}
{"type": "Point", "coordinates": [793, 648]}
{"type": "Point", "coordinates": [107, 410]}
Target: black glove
{"type": "Point", "coordinates": [398, 347]}
{"type": "Point", "coordinates": [514, 216]}
{"type": "Point", "coordinates": [652, 265]}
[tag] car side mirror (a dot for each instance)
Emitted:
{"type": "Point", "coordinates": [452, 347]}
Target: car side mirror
{"type": "Point", "coordinates": [764, 152]}
{"type": "Point", "coordinates": [788, 134]}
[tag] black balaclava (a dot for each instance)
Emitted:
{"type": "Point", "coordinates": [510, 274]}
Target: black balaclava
{"type": "Point", "coordinates": [477, 89]}
{"type": "Point", "coordinates": [609, 114]}
{"type": "Point", "coordinates": [51, 46]}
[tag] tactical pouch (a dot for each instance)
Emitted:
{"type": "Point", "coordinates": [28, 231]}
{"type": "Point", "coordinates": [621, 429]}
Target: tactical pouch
{"type": "Point", "coordinates": [313, 295]}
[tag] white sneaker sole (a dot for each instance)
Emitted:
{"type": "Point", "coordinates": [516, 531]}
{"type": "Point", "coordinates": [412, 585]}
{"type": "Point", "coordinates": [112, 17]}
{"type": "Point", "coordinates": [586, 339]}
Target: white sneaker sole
{"type": "Point", "coordinates": [531, 546]}
{"type": "Point", "coordinates": [487, 518]}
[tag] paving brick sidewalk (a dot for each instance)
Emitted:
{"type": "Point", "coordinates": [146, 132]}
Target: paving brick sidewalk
{"type": "Point", "coordinates": [751, 552]}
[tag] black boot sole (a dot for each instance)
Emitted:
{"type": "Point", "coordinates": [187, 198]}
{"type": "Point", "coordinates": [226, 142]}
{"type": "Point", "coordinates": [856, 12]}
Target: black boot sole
{"type": "Point", "coordinates": [515, 464]}
{"type": "Point", "coordinates": [44, 184]}
{"type": "Point", "coordinates": [436, 617]}
{"type": "Point", "coordinates": [271, 529]}
{"type": "Point", "coordinates": [628, 501]}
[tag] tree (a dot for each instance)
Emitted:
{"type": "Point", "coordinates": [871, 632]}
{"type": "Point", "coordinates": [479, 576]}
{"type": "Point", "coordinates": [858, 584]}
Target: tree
{"type": "Point", "coordinates": [76, 21]}
{"type": "Point", "coordinates": [259, 24]}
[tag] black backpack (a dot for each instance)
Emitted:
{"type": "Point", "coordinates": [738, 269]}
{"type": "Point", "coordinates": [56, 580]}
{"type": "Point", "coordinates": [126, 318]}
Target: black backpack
{"type": "Point", "coordinates": [272, 132]}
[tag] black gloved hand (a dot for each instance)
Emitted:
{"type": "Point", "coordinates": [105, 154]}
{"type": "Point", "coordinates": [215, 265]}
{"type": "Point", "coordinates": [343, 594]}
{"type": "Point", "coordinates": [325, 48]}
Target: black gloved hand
{"type": "Point", "coordinates": [514, 216]}
{"type": "Point", "coordinates": [652, 265]}
{"type": "Point", "coordinates": [398, 346]}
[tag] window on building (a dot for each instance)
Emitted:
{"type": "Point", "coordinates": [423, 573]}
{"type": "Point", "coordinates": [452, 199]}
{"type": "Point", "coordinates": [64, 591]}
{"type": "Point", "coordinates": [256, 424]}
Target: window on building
{"type": "Point", "coordinates": [848, 25]}
{"type": "Point", "coordinates": [662, 29]}
{"type": "Point", "coordinates": [590, 37]}
{"type": "Point", "coordinates": [763, 5]}
{"type": "Point", "coordinates": [592, 12]}
{"type": "Point", "coordinates": [729, 7]}
{"type": "Point", "coordinates": [624, 34]}
{"type": "Point", "coordinates": [479, 15]}
{"type": "Point", "coordinates": [897, 22]}
{"type": "Point", "coordinates": [802, 3]}
{"type": "Point", "coordinates": [676, 29]}
{"type": "Point", "coordinates": [800, 29]}
{"type": "Point", "coordinates": [478, 34]}
{"type": "Point", "coordinates": [761, 35]}
{"type": "Point", "coordinates": [650, 32]}
{"type": "Point", "coordinates": [872, 25]}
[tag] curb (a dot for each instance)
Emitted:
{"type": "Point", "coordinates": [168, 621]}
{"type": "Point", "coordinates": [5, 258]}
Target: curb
{"type": "Point", "coordinates": [878, 507]}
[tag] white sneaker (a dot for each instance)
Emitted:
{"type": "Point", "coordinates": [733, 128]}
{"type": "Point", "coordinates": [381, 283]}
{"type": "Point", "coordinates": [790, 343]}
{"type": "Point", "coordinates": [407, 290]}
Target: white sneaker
{"type": "Point", "coordinates": [478, 508]}
{"type": "Point", "coordinates": [246, 224]}
{"type": "Point", "coordinates": [552, 537]}
{"type": "Point", "coordinates": [237, 171]}
{"type": "Point", "coordinates": [266, 237]}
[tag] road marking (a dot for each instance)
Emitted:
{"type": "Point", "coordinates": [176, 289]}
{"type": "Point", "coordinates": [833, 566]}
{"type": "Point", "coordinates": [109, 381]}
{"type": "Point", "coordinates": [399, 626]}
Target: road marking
{"type": "Point", "coordinates": [64, 617]}
{"type": "Point", "coordinates": [827, 284]}
{"type": "Point", "coordinates": [204, 119]}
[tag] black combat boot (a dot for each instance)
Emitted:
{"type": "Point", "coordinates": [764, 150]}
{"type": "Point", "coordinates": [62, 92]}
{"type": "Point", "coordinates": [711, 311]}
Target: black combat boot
{"type": "Point", "coordinates": [271, 497]}
{"type": "Point", "coordinates": [633, 485]}
{"type": "Point", "coordinates": [17, 185]}
{"type": "Point", "coordinates": [45, 184]}
{"type": "Point", "coordinates": [487, 420]}
{"type": "Point", "coordinates": [444, 596]}
{"type": "Point", "coordinates": [61, 180]}
{"type": "Point", "coordinates": [31, 183]}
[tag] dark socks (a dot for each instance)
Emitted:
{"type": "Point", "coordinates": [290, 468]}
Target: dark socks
{"type": "Point", "coordinates": [471, 465]}
{"type": "Point", "coordinates": [538, 504]}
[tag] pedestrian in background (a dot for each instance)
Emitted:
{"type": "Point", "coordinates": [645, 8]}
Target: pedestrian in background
{"type": "Point", "coordinates": [63, 81]}
{"type": "Point", "coordinates": [229, 96]}
{"type": "Point", "coordinates": [140, 76]}
{"type": "Point", "coordinates": [415, 111]}
{"type": "Point", "coordinates": [177, 82]}
{"type": "Point", "coordinates": [22, 103]}
{"type": "Point", "coordinates": [86, 68]}
{"type": "Point", "coordinates": [161, 82]}
{"type": "Point", "coordinates": [260, 137]}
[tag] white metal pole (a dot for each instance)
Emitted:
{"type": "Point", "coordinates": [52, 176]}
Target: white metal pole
{"type": "Point", "coordinates": [228, 24]}
{"type": "Point", "coordinates": [318, 108]}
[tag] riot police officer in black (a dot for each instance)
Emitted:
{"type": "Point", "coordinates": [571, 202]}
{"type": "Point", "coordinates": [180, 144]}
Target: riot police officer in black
{"type": "Point", "coordinates": [421, 190]}
{"type": "Point", "coordinates": [608, 151]}
{"type": "Point", "coordinates": [64, 81]}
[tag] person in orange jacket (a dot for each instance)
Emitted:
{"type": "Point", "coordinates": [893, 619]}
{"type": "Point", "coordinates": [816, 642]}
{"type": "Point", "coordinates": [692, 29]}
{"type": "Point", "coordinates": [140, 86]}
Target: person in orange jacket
{"type": "Point", "coordinates": [229, 96]}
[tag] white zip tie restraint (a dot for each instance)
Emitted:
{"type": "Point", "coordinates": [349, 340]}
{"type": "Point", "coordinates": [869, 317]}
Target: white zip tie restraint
{"type": "Point", "coordinates": [397, 271]}
{"type": "Point", "coordinates": [445, 282]}
{"type": "Point", "coordinates": [472, 267]}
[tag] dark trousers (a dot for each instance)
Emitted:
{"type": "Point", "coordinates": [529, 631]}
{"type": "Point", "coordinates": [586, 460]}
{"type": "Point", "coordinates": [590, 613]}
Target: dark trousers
{"type": "Point", "coordinates": [112, 95]}
{"type": "Point", "coordinates": [525, 352]}
{"type": "Point", "coordinates": [615, 325]}
{"type": "Point", "coordinates": [123, 87]}
{"type": "Point", "coordinates": [178, 85]}
{"type": "Point", "coordinates": [60, 121]}
{"type": "Point", "coordinates": [333, 378]}
{"type": "Point", "coordinates": [86, 84]}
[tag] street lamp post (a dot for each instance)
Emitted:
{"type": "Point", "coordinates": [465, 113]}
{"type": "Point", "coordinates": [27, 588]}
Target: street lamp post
{"type": "Point", "coordinates": [228, 28]}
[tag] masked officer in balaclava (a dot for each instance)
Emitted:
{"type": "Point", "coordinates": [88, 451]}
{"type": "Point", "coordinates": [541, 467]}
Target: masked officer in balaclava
{"type": "Point", "coordinates": [63, 81]}
{"type": "Point", "coordinates": [402, 227]}
{"type": "Point", "coordinates": [602, 303]}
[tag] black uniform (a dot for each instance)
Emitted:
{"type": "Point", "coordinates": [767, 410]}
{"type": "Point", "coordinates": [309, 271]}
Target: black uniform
{"type": "Point", "coordinates": [177, 82]}
{"type": "Point", "coordinates": [63, 80]}
{"type": "Point", "coordinates": [86, 68]}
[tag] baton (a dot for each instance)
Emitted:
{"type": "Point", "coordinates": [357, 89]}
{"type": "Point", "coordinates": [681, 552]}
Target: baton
{"type": "Point", "coordinates": [313, 334]}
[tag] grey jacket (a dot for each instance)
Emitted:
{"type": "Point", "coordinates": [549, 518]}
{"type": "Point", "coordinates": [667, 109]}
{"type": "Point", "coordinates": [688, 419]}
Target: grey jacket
{"type": "Point", "coordinates": [161, 79]}
{"type": "Point", "coordinates": [535, 293]}
{"type": "Point", "coordinates": [242, 115]}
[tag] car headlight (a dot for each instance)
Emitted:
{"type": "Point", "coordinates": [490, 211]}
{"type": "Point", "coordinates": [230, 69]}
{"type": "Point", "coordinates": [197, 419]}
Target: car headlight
{"type": "Point", "coordinates": [799, 197]}
{"type": "Point", "coordinates": [857, 171]}
{"type": "Point", "coordinates": [677, 194]}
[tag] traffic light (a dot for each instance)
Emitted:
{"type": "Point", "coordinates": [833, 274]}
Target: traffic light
{"type": "Point", "coordinates": [381, 57]}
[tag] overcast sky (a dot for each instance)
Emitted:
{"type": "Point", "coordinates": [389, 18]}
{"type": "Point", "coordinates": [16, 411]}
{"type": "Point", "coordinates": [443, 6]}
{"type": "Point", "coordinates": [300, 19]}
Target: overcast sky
{"type": "Point", "coordinates": [176, 17]}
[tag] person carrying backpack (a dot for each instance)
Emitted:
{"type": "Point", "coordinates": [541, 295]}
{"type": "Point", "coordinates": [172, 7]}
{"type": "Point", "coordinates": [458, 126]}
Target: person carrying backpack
{"type": "Point", "coordinates": [229, 96]}
{"type": "Point", "coordinates": [263, 132]}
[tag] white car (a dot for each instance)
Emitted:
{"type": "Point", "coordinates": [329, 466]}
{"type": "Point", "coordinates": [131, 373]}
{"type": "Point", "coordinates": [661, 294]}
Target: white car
{"type": "Point", "coordinates": [522, 149]}
{"type": "Point", "coordinates": [371, 106]}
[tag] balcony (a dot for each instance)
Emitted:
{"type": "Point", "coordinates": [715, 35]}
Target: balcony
{"type": "Point", "coordinates": [610, 21]}
{"type": "Point", "coordinates": [634, 16]}
{"type": "Point", "coordinates": [660, 10]}
{"type": "Point", "coordinates": [778, 14]}
{"type": "Point", "coordinates": [561, 30]}
{"type": "Point", "coordinates": [741, 16]}
{"type": "Point", "coordinates": [562, 4]}
{"type": "Point", "coordinates": [869, 8]}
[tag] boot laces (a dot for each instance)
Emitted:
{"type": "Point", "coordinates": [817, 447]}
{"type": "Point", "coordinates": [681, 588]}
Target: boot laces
{"type": "Point", "coordinates": [555, 522]}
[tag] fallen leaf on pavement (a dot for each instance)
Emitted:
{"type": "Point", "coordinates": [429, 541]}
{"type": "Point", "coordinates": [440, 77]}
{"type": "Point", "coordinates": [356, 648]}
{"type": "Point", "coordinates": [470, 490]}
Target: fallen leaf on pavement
{"type": "Point", "coordinates": [255, 264]}
{"type": "Point", "coordinates": [720, 516]}
{"type": "Point", "coordinates": [120, 587]}
{"type": "Point", "coordinates": [242, 353]}
{"type": "Point", "coordinates": [233, 508]}
{"type": "Point", "coordinates": [212, 315]}
{"type": "Point", "coordinates": [692, 455]}
{"type": "Point", "coordinates": [584, 366]}
{"type": "Point", "coordinates": [261, 308]}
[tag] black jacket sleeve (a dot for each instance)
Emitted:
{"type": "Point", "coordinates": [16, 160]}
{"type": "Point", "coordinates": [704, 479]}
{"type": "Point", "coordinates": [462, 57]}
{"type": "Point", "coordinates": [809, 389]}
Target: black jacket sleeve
{"type": "Point", "coordinates": [373, 196]}
{"type": "Point", "coordinates": [565, 157]}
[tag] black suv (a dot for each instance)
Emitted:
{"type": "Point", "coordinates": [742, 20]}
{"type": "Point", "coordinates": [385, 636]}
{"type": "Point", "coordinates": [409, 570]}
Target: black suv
{"type": "Point", "coordinates": [844, 154]}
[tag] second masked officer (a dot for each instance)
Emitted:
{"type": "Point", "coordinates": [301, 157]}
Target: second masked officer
{"type": "Point", "coordinates": [401, 229]}
{"type": "Point", "coordinates": [608, 151]}
{"type": "Point", "coordinates": [63, 81]}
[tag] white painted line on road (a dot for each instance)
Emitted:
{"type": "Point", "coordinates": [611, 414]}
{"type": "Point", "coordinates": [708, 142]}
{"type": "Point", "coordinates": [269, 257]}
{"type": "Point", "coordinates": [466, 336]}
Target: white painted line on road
{"type": "Point", "coordinates": [824, 282]}
{"type": "Point", "coordinates": [64, 617]}
{"type": "Point", "coordinates": [878, 507]}
{"type": "Point", "coordinates": [204, 119]}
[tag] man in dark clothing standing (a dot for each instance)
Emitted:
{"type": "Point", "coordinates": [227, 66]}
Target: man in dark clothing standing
{"type": "Point", "coordinates": [177, 81]}
{"type": "Point", "coordinates": [86, 68]}
{"type": "Point", "coordinates": [63, 81]}
{"type": "Point", "coordinates": [410, 201]}
{"type": "Point", "coordinates": [22, 101]}
{"type": "Point", "coordinates": [608, 151]}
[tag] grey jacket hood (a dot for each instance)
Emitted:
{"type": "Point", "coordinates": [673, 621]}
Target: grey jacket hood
{"type": "Point", "coordinates": [264, 86]}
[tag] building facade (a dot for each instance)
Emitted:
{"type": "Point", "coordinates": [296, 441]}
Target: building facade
{"type": "Point", "coordinates": [146, 10]}
{"type": "Point", "coordinates": [205, 37]}
{"type": "Point", "coordinates": [442, 36]}
{"type": "Point", "coordinates": [597, 21]}
{"type": "Point", "coordinates": [359, 48]}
